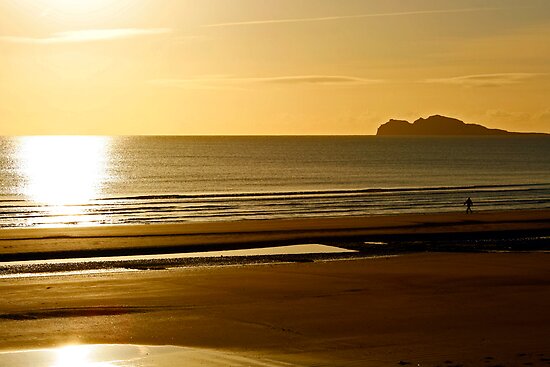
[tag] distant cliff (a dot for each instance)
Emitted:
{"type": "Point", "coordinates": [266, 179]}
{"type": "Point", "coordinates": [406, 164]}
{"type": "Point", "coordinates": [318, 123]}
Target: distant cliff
{"type": "Point", "coordinates": [439, 125]}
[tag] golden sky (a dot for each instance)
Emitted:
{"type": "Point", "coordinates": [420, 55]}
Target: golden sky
{"type": "Point", "coordinates": [221, 67]}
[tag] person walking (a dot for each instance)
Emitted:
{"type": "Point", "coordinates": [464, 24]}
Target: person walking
{"type": "Point", "coordinates": [469, 203]}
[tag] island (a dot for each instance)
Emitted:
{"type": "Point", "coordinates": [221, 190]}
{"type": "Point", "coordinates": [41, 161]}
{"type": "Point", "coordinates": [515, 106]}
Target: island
{"type": "Point", "coordinates": [441, 125]}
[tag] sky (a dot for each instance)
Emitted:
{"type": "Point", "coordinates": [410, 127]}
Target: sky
{"type": "Point", "coordinates": [262, 67]}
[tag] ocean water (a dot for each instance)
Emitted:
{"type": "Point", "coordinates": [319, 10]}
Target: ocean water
{"type": "Point", "coordinates": [66, 181]}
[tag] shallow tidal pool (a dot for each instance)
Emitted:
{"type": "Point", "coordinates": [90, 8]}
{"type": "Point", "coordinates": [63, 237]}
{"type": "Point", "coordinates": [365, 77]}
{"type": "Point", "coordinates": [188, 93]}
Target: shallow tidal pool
{"type": "Point", "coordinates": [128, 355]}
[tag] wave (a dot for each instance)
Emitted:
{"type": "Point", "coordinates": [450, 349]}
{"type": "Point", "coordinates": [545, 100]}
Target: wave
{"type": "Point", "coordinates": [175, 208]}
{"type": "Point", "coordinates": [299, 193]}
{"type": "Point", "coordinates": [325, 193]}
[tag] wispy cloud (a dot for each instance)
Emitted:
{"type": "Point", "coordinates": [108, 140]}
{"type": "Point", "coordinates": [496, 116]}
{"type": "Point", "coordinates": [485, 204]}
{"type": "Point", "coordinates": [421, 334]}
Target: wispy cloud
{"type": "Point", "coordinates": [313, 79]}
{"type": "Point", "coordinates": [203, 83]}
{"type": "Point", "coordinates": [342, 17]}
{"type": "Point", "coordinates": [228, 82]}
{"type": "Point", "coordinates": [88, 35]}
{"type": "Point", "coordinates": [485, 80]}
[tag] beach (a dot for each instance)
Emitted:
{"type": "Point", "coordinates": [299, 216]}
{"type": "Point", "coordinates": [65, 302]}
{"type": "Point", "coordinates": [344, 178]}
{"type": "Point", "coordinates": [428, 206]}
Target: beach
{"type": "Point", "coordinates": [274, 183]}
{"type": "Point", "coordinates": [423, 309]}
{"type": "Point", "coordinates": [467, 307]}
{"type": "Point", "coordinates": [79, 241]}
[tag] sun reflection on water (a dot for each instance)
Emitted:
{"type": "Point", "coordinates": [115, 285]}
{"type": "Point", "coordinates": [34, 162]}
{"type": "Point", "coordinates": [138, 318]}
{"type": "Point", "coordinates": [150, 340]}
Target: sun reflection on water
{"type": "Point", "coordinates": [63, 171]}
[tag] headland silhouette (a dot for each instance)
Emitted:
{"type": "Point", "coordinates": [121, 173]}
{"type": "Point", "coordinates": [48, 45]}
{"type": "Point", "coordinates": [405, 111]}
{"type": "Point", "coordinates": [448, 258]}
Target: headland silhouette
{"type": "Point", "coordinates": [442, 126]}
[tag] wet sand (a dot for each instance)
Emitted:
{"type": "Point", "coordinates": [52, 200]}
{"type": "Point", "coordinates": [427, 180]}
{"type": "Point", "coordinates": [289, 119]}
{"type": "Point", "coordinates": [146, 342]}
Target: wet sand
{"type": "Point", "coordinates": [445, 309]}
{"type": "Point", "coordinates": [484, 309]}
{"type": "Point", "coordinates": [43, 243]}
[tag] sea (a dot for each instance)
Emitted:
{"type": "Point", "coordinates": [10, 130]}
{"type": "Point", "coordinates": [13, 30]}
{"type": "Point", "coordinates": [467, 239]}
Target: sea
{"type": "Point", "coordinates": [56, 181]}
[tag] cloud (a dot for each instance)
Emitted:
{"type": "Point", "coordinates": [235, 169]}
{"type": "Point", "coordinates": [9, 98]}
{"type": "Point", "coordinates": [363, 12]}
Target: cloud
{"type": "Point", "coordinates": [342, 17]}
{"type": "Point", "coordinates": [519, 120]}
{"type": "Point", "coordinates": [228, 82]}
{"type": "Point", "coordinates": [313, 79]}
{"type": "Point", "coordinates": [544, 116]}
{"type": "Point", "coordinates": [192, 83]}
{"type": "Point", "coordinates": [484, 80]}
{"type": "Point", "coordinates": [88, 35]}
{"type": "Point", "coordinates": [507, 116]}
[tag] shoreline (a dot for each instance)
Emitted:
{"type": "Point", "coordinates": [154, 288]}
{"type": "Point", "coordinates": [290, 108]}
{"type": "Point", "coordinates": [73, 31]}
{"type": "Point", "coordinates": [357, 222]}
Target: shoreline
{"type": "Point", "coordinates": [69, 242]}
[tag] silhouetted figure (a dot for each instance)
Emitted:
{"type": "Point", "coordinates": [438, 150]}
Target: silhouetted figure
{"type": "Point", "coordinates": [468, 204]}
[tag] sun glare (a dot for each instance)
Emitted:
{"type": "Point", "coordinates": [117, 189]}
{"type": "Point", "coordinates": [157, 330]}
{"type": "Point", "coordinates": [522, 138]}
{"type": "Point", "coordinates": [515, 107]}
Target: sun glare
{"type": "Point", "coordinates": [62, 170]}
{"type": "Point", "coordinates": [84, 11]}
{"type": "Point", "coordinates": [73, 6]}
{"type": "Point", "coordinates": [77, 356]}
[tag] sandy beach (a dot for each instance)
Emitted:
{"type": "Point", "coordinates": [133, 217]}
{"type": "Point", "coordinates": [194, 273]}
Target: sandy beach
{"type": "Point", "coordinates": [43, 243]}
{"type": "Point", "coordinates": [423, 309]}
{"type": "Point", "coordinates": [274, 183]}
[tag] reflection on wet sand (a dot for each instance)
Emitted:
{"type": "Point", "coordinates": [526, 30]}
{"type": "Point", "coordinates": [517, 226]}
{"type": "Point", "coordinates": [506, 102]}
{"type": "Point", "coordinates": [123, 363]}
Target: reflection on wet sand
{"type": "Point", "coordinates": [99, 265]}
{"type": "Point", "coordinates": [113, 355]}
{"type": "Point", "coordinates": [262, 251]}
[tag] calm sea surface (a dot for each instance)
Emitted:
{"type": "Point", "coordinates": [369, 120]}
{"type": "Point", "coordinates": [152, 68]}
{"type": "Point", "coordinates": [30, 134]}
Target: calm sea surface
{"type": "Point", "coordinates": [56, 181]}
